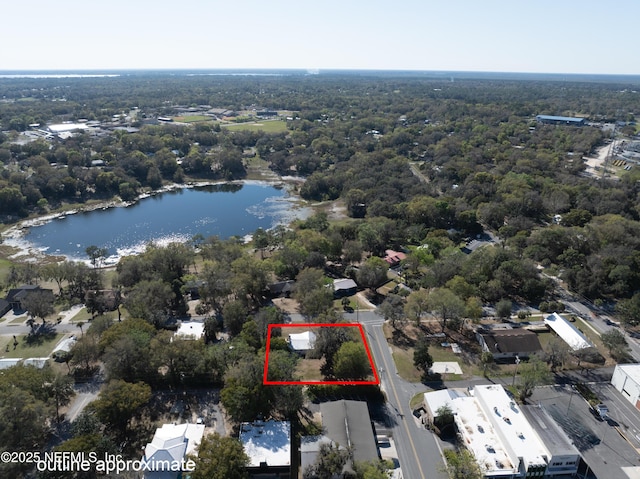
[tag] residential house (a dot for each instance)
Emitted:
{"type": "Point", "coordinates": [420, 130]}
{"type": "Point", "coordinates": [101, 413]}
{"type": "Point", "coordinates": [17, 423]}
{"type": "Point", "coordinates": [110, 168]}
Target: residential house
{"type": "Point", "coordinates": [509, 343]}
{"type": "Point", "coordinates": [268, 445]}
{"type": "Point", "coordinates": [170, 445]}
{"type": "Point", "coordinates": [190, 330]}
{"type": "Point", "coordinates": [5, 307]}
{"type": "Point", "coordinates": [393, 258]}
{"type": "Point", "coordinates": [16, 296]}
{"type": "Point", "coordinates": [281, 289]}
{"type": "Point", "coordinates": [302, 343]}
{"type": "Point", "coordinates": [344, 287]}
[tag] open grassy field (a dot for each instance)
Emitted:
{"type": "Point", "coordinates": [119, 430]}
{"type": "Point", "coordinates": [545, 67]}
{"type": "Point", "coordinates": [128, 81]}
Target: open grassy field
{"type": "Point", "coordinates": [192, 118]}
{"type": "Point", "coordinates": [39, 347]}
{"type": "Point", "coordinates": [268, 126]}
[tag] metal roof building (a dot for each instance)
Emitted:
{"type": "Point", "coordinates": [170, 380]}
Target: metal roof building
{"type": "Point", "coordinates": [560, 120]}
{"type": "Point", "coordinates": [626, 379]}
{"type": "Point", "coordinates": [568, 332]}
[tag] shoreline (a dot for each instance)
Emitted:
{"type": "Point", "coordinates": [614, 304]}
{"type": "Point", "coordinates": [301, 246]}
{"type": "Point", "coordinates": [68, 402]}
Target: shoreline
{"type": "Point", "coordinates": [13, 235]}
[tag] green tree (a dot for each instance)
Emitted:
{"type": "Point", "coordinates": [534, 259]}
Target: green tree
{"type": "Point", "coordinates": [39, 303]}
{"type": "Point", "coordinates": [533, 373]}
{"type": "Point", "coordinates": [234, 315]}
{"type": "Point", "coordinates": [312, 293]}
{"type": "Point", "coordinates": [329, 463]}
{"type": "Point", "coordinates": [486, 358]}
{"type": "Point", "coordinates": [244, 396]}
{"type": "Point", "coordinates": [421, 357]}
{"type": "Point", "coordinates": [556, 353]}
{"type": "Point", "coordinates": [61, 391]}
{"type": "Point", "coordinates": [417, 305]}
{"type": "Point", "coordinates": [96, 255]}
{"type": "Point", "coordinates": [220, 458]}
{"type": "Point", "coordinates": [446, 304]}
{"type": "Point", "coordinates": [392, 309]}
{"type": "Point", "coordinates": [119, 402]}
{"type": "Point", "coordinates": [629, 310]}
{"type": "Point", "coordinates": [503, 308]}
{"type": "Point", "coordinates": [351, 362]}
{"type": "Point", "coordinates": [615, 342]}
{"type": "Point", "coordinates": [372, 273]}
{"type": "Point", "coordinates": [371, 470]}
{"type": "Point", "coordinates": [462, 465]}
{"type": "Point", "coordinates": [151, 301]}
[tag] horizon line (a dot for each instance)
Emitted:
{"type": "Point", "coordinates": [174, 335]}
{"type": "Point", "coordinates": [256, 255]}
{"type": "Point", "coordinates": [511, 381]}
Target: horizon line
{"type": "Point", "coordinates": [302, 69]}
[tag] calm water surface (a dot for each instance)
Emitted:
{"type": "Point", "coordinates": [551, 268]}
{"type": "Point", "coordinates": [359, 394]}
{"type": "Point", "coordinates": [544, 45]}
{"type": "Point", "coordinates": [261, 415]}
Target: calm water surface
{"type": "Point", "coordinates": [222, 210]}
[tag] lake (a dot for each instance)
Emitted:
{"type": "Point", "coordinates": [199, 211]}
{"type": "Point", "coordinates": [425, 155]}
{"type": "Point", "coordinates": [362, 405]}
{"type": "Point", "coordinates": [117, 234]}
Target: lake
{"type": "Point", "coordinates": [225, 210]}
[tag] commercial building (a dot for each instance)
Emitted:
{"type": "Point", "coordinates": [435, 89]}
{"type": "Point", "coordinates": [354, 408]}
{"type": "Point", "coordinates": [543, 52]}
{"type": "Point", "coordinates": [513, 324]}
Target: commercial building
{"type": "Point", "coordinates": [507, 442]}
{"type": "Point", "coordinates": [564, 457]}
{"type": "Point", "coordinates": [626, 379]}
{"type": "Point", "coordinates": [560, 120]}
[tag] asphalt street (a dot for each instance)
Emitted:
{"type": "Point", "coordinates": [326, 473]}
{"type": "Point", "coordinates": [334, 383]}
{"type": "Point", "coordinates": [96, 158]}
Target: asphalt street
{"type": "Point", "coordinates": [418, 449]}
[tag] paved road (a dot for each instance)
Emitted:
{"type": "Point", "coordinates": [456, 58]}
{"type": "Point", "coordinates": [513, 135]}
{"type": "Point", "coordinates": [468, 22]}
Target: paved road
{"type": "Point", "coordinates": [419, 452]}
{"type": "Point", "coordinates": [601, 323]}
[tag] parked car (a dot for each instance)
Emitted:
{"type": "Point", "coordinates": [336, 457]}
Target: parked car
{"type": "Point", "coordinates": [601, 411]}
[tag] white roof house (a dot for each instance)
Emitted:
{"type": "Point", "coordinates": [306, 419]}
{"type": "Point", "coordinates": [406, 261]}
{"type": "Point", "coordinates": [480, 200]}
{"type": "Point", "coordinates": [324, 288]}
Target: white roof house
{"type": "Point", "coordinates": [190, 330]}
{"type": "Point", "coordinates": [568, 332]}
{"type": "Point", "coordinates": [65, 344]}
{"type": "Point", "coordinates": [36, 362]}
{"type": "Point", "coordinates": [6, 363]}
{"type": "Point", "coordinates": [172, 443]}
{"type": "Point", "coordinates": [267, 443]}
{"type": "Point", "coordinates": [302, 342]}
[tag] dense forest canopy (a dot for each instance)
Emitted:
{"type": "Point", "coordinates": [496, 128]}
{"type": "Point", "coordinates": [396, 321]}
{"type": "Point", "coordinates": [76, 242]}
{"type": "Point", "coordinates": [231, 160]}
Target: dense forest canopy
{"type": "Point", "coordinates": [419, 161]}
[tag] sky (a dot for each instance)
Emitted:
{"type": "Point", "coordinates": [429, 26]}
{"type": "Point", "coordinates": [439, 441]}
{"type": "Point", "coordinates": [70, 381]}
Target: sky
{"type": "Point", "coordinates": [545, 36]}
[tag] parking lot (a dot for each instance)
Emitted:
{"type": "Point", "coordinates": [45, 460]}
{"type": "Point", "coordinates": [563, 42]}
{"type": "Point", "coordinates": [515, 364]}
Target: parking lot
{"type": "Point", "coordinates": [606, 446]}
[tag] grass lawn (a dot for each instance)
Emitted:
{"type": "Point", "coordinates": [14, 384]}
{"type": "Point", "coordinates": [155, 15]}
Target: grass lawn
{"type": "Point", "coordinates": [268, 126]}
{"type": "Point", "coordinates": [416, 401]}
{"type": "Point", "coordinates": [404, 364]}
{"type": "Point", "coordinates": [309, 370]}
{"type": "Point", "coordinates": [41, 347]}
{"type": "Point", "coordinates": [19, 319]}
{"type": "Point", "coordinates": [85, 316]}
{"type": "Point", "coordinates": [192, 118]}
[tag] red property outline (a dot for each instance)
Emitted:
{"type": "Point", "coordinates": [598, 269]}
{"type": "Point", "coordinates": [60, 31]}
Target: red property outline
{"type": "Point", "coordinates": [266, 382]}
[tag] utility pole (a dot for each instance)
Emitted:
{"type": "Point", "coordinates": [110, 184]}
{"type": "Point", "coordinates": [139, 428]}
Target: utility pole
{"type": "Point", "coordinates": [515, 371]}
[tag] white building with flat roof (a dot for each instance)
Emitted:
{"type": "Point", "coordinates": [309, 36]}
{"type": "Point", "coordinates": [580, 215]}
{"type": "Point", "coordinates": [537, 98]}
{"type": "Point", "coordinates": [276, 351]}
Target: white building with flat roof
{"type": "Point", "coordinates": [524, 447]}
{"type": "Point", "coordinates": [268, 445]}
{"type": "Point", "coordinates": [190, 330]}
{"type": "Point", "coordinates": [568, 332]}
{"type": "Point", "coordinates": [481, 438]}
{"type": "Point", "coordinates": [626, 379]}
